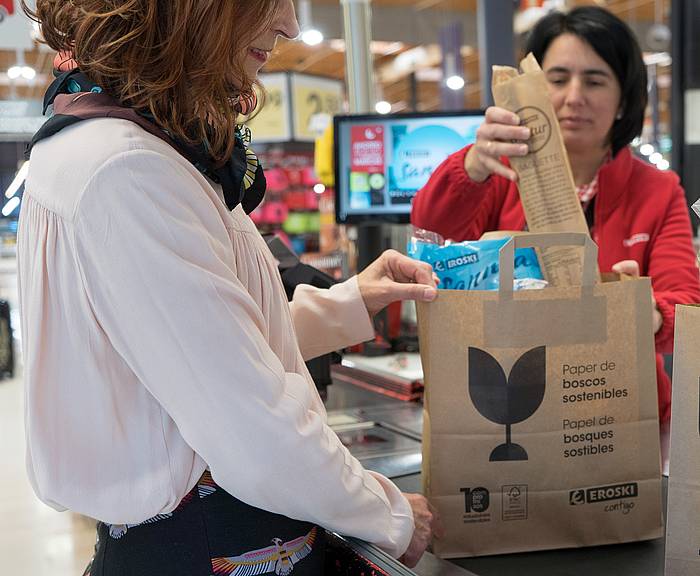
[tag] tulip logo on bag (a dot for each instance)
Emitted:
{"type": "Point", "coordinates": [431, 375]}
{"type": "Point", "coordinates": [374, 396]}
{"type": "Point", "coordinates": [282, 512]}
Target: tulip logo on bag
{"type": "Point", "coordinates": [507, 400]}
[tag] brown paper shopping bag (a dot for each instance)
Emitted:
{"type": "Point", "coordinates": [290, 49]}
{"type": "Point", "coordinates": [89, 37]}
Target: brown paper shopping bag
{"type": "Point", "coordinates": [541, 425]}
{"type": "Point", "coordinates": [683, 511]}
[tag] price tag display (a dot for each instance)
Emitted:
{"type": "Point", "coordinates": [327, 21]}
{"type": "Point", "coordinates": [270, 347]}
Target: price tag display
{"type": "Point", "coordinates": [292, 104]}
{"type": "Point", "coordinates": [272, 123]}
{"type": "Point", "coordinates": [312, 95]}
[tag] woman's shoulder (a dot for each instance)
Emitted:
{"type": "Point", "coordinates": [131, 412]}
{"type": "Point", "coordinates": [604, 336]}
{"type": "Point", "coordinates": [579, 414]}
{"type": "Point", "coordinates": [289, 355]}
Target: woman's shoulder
{"type": "Point", "coordinates": [98, 140]}
{"type": "Point", "coordinates": [646, 176]}
{"type": "Point", "coordinates": [75, 153]}
{"type": "Point", "coordinates": [103, 158]}
{"type": "Point", "coordinates": [634, 182]}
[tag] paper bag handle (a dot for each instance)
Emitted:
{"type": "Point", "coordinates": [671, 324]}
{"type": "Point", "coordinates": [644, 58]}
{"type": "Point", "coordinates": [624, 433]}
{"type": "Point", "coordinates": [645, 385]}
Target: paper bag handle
{"type": "Point", "coordinates": [506, 257]}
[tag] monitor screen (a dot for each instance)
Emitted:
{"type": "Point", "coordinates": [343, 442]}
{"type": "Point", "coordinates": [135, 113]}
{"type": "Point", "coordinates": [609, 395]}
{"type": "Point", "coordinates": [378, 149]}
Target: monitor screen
{"type": "Point", "coordinates": [381, 161]}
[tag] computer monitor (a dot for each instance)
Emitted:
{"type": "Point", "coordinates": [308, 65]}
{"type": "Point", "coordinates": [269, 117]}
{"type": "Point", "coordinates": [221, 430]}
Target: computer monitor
{"type": "Point", "coordinates": [381, 161]}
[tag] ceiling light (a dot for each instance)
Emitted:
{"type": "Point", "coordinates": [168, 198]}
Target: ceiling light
{"type": "Point", "coordinates": [21, 71]}
{"type": "Point", "coordinates": [382, 107]}
{"type": "Point", "coordinates": [319, 188]}
{"type": "Point", "coordinates": [454, 79]}
{"type": "Point", "coordinates": [655, 158]}
{"type": "Point", "coordinates": [312, 37]}
{"type": "Point", "coordinates": [646, 149]}
{"type": "Point", "coordinates": [663, 165]}
{"type": "Point", "coordinates": [19, 178]}
{"type": "Point", "coordinates": [10, 207]}
{"type": "Point", "coordinates": [455, 82]}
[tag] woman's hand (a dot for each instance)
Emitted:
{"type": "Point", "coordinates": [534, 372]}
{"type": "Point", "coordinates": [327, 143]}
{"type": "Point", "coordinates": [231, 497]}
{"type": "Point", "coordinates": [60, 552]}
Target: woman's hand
{"type": "Point", "coordinates": [394, 276]}
{"type": "Point", "coordinates": [426, 525]}
{"type": "Point", "coordinates": [499, 135]}
{"type": "Point", "coordinates": [631, 268]}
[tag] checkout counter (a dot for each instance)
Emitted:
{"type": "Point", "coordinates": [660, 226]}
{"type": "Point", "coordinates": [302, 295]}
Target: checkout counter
{"type": "Point", "coordinates": [384, 434]}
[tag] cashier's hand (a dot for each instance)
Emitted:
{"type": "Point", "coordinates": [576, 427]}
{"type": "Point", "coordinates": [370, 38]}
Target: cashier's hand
{"type": "Point", "coordinates": [499, 135]}
{"type": "Point", "coordinates": [631, 268]}
{"type": "Point", "coordinates": [427, 524]}
{"type": "Point", "coordinates": [393, 277]}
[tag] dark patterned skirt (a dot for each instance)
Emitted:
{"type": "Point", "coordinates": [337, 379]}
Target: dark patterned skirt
{"type": "Point", "coordinates": [209, 533]}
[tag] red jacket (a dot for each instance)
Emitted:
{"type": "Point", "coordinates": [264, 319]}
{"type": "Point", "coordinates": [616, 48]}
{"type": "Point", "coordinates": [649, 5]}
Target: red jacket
{"type": "Point", "coordinates": [640, 214]}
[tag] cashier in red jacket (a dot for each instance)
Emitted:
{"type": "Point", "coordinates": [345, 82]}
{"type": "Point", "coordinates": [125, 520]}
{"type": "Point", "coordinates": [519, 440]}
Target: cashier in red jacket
{"type": "Point", "coordinates": [637, 213]}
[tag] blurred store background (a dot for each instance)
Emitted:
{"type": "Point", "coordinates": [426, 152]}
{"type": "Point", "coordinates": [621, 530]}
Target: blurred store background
{"type": "Point", "coordinates": [427, 57]}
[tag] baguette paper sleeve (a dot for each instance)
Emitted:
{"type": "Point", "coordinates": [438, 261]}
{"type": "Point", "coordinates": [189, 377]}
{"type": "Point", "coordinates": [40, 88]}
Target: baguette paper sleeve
{"type": "Point", "coordinates": [547, 189]}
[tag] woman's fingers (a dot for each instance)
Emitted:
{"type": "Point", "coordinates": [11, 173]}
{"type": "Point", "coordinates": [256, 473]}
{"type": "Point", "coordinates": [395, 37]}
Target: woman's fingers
{"type": "Point", "coordinates": [628, 267]}
{"type": "Point", "coordinates": [497, 115]}
{"type": "Point", "coordinates": [495, 166]}
{"type": "Point", "coordinates": [502, 132]}
{"type": "Point", "coordinates": [500, 135]}
{"type": "Point", "coordinates": [498, 149]}
{"type": "Point", "coordinates": [405, 269]}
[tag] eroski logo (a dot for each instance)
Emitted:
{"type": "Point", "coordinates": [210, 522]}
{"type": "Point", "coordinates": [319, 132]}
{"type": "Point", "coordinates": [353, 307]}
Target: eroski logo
{"type": "Point", "coordinates": [603, 493]}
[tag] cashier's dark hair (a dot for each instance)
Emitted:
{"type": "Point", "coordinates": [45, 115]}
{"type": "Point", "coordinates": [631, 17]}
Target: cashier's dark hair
{"type": "Point", "coordinates": [615, 43]}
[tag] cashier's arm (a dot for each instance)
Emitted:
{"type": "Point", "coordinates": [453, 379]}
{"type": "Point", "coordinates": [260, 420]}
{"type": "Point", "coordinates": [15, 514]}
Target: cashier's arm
{"type": "Point", "coordinates": [328, 320]}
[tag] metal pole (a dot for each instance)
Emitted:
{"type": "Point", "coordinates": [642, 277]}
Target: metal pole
{"type": "Point", "coordinates": [452, 64]}
{"type": "Point", "coordinates": [358, 57]}
{"type": "Point", "coordinates": [685, 19]}
{"type": "Point", "coordinates": [413, 91]}
{"type": "Point", "coordinates": [495, 31]}
{"type": "Point", "coordinates": [654, 103]}
{"type": "Point", "coordinates": [678, 87]}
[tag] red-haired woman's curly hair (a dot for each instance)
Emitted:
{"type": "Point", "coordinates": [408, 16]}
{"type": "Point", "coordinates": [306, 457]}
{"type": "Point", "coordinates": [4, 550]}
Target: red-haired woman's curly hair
{"type": "Point", "coordinates": [180, 60]}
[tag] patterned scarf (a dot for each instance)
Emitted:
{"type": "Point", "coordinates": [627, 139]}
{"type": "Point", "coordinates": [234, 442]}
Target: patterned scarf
{"type": "Point", "coordinates": [73, 98]}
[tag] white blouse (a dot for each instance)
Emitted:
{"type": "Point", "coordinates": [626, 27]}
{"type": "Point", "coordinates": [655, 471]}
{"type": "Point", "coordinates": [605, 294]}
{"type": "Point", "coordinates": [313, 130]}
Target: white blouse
{"type": "Point", "coordinates": [158, 342]}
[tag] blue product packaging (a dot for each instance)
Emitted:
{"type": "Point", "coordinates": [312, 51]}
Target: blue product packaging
{"type": "Point", "coordinates": [473, 265]}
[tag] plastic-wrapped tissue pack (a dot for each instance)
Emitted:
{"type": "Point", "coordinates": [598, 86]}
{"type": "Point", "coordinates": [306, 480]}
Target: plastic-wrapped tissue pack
{"type": "Point", "coordinates": [473, 265]}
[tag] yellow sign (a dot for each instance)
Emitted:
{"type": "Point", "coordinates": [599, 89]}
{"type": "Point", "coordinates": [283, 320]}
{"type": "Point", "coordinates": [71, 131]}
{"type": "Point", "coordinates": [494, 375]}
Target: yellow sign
{"type": "Point", "coordinates": [282, 109]}
{"type": "Point", "coordinates": [310, 96]}
{"type": "Point", "coordinates": [272, 122]}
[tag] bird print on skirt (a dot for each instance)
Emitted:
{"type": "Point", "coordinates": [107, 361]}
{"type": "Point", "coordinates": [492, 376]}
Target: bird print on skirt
{"type": "Point", "coordinates": [278, 559]}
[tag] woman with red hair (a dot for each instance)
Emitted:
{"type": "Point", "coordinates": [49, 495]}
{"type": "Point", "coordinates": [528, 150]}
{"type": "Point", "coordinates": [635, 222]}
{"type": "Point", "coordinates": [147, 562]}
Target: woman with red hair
{"type": "Point", "coordinates": [166, 391]}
